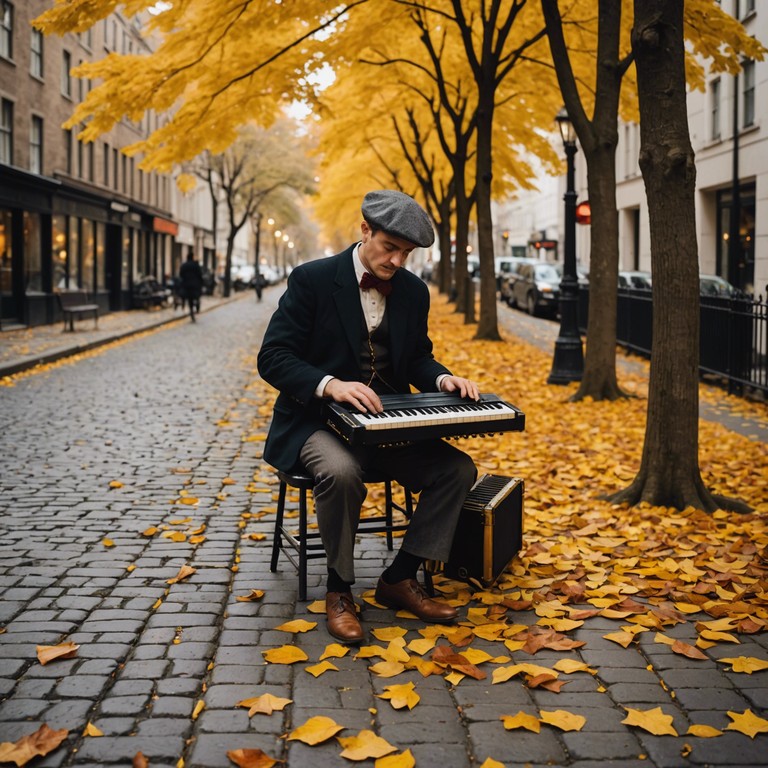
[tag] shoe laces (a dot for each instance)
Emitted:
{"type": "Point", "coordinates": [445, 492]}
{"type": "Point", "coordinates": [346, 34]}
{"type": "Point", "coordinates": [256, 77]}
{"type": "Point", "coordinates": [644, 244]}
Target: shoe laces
{"type": "Point", "coordinates": [346, 603]}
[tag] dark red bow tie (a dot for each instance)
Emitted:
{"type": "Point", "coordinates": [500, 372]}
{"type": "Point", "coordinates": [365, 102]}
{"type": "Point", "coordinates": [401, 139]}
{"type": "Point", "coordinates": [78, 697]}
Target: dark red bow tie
{"type": "Point", "coordinates": [384, 287]}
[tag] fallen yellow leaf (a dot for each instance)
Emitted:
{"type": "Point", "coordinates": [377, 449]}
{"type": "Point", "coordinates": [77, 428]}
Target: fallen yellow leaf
{"type": "Point", "coordinates": [400, 696]}
{"type": "Point", "coordinates": [565, 721]}
{"type": "Point", "coordinates": [286, 654]}
{"type": "Point", "coordinates": [652, 720]}
{"type": "Point", "coordinates": [747, 723]}
{"type": "Point", "coordinates": [265, 704]}
{"type": "Point", "coordinates": [748, 664]}
{"type": "Point", "coordinates": [401, 760]}
{"type": "Point", "coordinates": [521, 720]}
{"type": "Point", "coordinates": [315, 730]}
{"type": "Point", "coordinates": [297, 625]}
{"type": "Point", "coordinates": [317, 669]}
{"type": "Point", "coordinates": [364, 745]}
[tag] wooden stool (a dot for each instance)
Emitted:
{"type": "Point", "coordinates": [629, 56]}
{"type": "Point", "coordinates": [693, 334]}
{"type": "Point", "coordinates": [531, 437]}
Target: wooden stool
{"type": "Point", "coordinates": [306, 545]}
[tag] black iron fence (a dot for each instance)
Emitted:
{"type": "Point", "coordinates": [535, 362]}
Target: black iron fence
{"type": "Point", "coordinates": [734, 334]}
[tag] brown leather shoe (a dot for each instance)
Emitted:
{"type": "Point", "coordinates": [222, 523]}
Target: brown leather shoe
{"type": "Point", "coordinates": [341, 617]}
{"type": "Point", "coordinates": [411, 596]}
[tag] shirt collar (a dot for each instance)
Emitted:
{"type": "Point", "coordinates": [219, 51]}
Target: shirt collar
{"type": "Point", "coordinates": [359, 268]}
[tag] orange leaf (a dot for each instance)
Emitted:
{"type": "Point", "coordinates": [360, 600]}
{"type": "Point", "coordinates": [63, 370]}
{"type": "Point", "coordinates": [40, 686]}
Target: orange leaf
{"type": "Point", "coordinates": [251, 758]}
{"type": "Point", "coordinates": [252, 596]}
{"type": "Point", "coordinates": [139, 761]}
{"type": "Point", "coordinates": [184, 573]}
{"type": "Point", "coordinates": [685, 649]}
{"type": "Point", "coordinates": [444, 655]}
{"type": "Point", "coordinates": [41, 742]}
{"type": "Point", "coordinates": [46, 653]}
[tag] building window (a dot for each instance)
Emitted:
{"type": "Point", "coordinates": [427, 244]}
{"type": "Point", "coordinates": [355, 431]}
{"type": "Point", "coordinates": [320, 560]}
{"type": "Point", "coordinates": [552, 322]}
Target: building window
{"type": "Point", "coordinates": [6, 132]}
{"type": "Point", "coordinates": [66, 78]}
{"type": "Point", "coordinates": [6, 29]}
{"type": "Point", "coordinates": [68, 150]}
{"type": "Point", "coordinates": [115, 168]}
{"type": "Point", "coordinates": [36, 145]}
{"type": "Point", "coordinates": [33, 279]}
{"type": "Point", "coordinates": [91, 150]}
{"type": "Point", "coordinates": [714, 95]}
{"type": "Point", "coordinates": [36, 54]}
{"type": "Point", "coordinates": [749, 93]}
{"type": "Point", "coordinates": [749, 8]}
{"type": "Point", "coordinates": [106, 164]}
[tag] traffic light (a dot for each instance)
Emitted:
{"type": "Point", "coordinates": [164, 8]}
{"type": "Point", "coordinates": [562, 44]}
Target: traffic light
{"type": "Point", "coordinates": [583, 213]}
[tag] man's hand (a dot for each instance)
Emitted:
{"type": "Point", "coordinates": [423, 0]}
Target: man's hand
{"type": "Point", "coordinates": [355, 393]}
{"type": "Point", "coordinates": [464, 387]}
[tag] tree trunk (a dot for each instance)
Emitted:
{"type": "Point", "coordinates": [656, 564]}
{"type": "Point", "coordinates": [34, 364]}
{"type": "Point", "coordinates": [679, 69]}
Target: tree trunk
{"type": "Point", "coordinates": [669, 471]}
{"type": "Point", "coordinates": [598, 380]}
{"type": "Point", "coordinates": [487, 327]}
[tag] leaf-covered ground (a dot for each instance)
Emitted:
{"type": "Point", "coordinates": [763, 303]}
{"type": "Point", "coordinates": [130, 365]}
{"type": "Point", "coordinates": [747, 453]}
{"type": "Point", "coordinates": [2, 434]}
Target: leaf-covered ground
{"type": "Point", "coordinates": [591, 576]}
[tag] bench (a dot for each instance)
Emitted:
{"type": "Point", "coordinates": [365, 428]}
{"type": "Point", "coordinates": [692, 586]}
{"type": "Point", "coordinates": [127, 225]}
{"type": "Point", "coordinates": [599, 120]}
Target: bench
{"type": "Point", "coordinates": [148, 293]}
{"type": "Point", "coordinates": [74, 303]}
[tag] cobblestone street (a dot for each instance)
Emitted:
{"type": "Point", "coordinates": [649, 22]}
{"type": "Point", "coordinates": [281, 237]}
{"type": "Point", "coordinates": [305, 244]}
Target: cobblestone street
{"type": "Point", "coordinates": [166, 431]}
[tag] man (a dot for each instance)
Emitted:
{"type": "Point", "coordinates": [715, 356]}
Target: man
{"type": "Point", "coordinates": [350, 328]}
{"type": "Point", "coordinates": [191, 277]}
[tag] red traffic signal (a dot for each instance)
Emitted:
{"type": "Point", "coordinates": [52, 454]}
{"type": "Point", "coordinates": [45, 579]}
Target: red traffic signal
{"type": "Point", "coordinates": [583, 213]}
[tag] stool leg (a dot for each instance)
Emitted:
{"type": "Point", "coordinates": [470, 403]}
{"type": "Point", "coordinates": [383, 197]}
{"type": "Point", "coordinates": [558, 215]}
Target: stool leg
{"type": "Point", "coordinates": [278, 535]}
{"type": "Point", "coordinates": [388, 513]}
{"type": "Point", "coordinates": [303, 544]}
{"type": "Point", "coordinates": [428, 585]}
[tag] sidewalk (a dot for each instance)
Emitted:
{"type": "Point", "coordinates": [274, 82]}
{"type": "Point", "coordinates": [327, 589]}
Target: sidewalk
{"type": "Point", "coordinates": [25, 348]}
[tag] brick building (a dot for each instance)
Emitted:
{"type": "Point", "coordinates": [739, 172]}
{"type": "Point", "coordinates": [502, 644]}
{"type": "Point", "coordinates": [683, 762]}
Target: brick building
{"type": "Point", "coordinates": [74, 214]}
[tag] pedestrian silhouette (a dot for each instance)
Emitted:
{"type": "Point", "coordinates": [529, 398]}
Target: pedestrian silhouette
{"type": "Point", "coordinates": [258, 283]}
{"type": "Point", "coordinates": [191, 277]}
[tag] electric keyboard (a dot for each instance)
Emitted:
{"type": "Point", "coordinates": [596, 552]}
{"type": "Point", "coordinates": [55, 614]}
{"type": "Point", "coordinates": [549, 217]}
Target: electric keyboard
{"type": "Point", "coordinates": [423, 416]}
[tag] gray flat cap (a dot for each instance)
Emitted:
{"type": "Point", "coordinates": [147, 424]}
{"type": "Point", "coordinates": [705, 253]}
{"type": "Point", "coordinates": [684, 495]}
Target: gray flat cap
{"type": "Point", "coordinates": [398, 214]}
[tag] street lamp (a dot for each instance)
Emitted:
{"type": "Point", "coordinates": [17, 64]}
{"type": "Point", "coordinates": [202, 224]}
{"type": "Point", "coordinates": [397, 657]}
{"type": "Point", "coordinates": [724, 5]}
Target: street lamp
{"type": "Point", "coordinates": [568, 360]}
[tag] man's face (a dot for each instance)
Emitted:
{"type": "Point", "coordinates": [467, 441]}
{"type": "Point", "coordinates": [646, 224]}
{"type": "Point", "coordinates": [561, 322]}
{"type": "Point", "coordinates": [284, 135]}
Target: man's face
{"type": "Point", "coordinates": [383, 254]}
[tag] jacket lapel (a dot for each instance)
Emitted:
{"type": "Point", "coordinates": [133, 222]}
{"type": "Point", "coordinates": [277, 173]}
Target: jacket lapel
{"type": "Point", "coordinates": [347, 299]}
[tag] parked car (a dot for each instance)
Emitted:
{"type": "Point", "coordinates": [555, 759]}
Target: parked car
{"type": "Point", "coordinates": [537, 287]}
{"type": "Point", "coordinates": [713, 285]}
{"type": "Point", "coordinates": [509, 275]}
{"type": "Point", "coordinates": [635, 279]}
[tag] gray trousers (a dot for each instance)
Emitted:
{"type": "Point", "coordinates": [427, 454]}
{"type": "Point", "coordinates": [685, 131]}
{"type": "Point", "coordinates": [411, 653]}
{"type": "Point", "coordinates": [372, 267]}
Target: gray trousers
{"type": "Point", "coordinates": [440, 472]}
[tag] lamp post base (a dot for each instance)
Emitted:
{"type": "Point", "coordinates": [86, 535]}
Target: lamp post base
{"type": "Point", "coordinates": [568, 361]}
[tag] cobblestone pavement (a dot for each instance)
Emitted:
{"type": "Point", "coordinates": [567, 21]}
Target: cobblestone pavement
{"type": "Point", "coordinates": [97, 452]}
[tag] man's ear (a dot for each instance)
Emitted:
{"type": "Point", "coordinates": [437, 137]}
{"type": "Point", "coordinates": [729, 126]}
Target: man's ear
{"type": "Point", "coordinates": [365, 228]}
